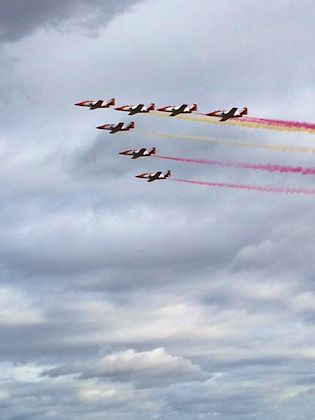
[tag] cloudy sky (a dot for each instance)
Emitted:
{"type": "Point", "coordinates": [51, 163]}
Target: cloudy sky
{"type": "Point", "coordinates": [125, 300]}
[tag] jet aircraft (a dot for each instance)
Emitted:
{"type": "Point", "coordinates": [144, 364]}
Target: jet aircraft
{"type": "Point", "coordinates": [226, 115]}
{"type": "Point", "coordinates": [176, 110]}
{"type": "Point", "coordinates": [97, 104]}
{"type": "Point", "coordinates": [136, 109]}
{"type": "Point", "coordinates": [138, 153]}
{"type": "Point", "coordinates": [154, 176]}
{"type": "Point", "coordinates": [114, 128]}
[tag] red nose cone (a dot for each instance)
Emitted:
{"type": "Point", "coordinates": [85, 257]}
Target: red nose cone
{"type": "Point", "coordinates": [101, 127]}
{"type": "Point", "coordinates": [80, 103]}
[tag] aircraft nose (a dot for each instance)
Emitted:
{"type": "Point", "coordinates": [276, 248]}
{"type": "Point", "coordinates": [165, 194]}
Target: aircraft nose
{"type": "Point", "coordinates": [79, 104]}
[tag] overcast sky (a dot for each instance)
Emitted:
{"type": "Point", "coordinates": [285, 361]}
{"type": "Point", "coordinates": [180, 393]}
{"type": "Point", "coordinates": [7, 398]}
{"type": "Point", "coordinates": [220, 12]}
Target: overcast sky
{"type": "Point", "coordinates": [125, 300]}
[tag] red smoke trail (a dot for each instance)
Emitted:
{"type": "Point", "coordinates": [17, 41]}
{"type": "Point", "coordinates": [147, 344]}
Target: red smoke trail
{"type": "Point", "coordinates": [249, 187]}
{"type": "Point", "coordinates": [243, 165]}
{"type": "Point", "coordinates": [280, 123]}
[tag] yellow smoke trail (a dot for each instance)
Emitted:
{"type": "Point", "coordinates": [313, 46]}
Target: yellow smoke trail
{"type": "Point", "coordinates": [228, 142]}
{"type": "Point", "coordinates": [246, 124]}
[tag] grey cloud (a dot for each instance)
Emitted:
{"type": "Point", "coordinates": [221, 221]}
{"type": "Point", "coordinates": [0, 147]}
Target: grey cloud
{"type": "Point", "coordinates": [19, 18]}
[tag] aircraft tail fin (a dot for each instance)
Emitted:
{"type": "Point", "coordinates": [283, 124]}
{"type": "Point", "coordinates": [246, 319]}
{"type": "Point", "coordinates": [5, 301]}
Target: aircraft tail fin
{"type": "Point", "coordinates": [244, 111]}
{"type": "Point", "coordinates": [151, 107]}
{"type": "Point", "coordinates": [131, 124]}
{"type": "Point", "coordinates": [111, 102]}
{"type": "Point", "coordinates": [194, 107]}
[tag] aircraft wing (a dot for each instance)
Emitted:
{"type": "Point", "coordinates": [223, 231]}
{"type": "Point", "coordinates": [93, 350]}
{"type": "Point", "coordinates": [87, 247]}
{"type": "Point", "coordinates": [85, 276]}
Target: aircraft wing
{"type": "Point", "coordinates": [116, 128]}
{"type": "Point", "coordinates": [229, 115]}
{"type": "Point", "coordinates": [178, 111]}
{"type": "Point", "coordinates": [138, 153]}
{"type": "Point", "coordinates": [155, 176]}
{"type": "Point", "coordinates": [137, 109]}
{"type": "Point", "coordinates": [97, 104]}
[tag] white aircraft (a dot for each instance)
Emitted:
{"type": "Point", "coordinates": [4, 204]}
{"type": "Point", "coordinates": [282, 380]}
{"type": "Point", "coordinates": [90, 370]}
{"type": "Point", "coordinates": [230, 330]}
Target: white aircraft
{"type": "Point", "coordinates": [138, 153]}
{"type": "Point", "coordinates": [97, 104]}
{"type": "Point", "coordinates": [136, 109]}
{"type": "Point", "coordinates": [176, 110]}
{"type": "Point", "coordinates": [114, 128]}
{"type": "Point", "coordinates": [226, 115]}
{"type": "Point", "coordinates": [154, 176]}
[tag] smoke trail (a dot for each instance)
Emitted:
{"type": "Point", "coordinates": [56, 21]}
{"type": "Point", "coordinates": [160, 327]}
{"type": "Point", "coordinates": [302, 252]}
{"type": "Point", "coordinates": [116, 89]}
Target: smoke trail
{"type": "Point", "coordinates": [248, 122]}
{"type": "Point", "coordinates": [248, 187]}
{"type": "Point", "coordinates": [243, 165]}
{"type": "Point", "coordinates": [290, 124]}
{"type": "Point", "coordinates": [228, 142]}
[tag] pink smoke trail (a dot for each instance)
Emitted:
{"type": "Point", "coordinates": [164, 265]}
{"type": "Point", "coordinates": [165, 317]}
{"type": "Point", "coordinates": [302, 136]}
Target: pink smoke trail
{"type": "Point", "coordinates": [248, 187]}
{"type": "Point", "coordinates": [243, 165]}
{"type": "Point", "coordinates": [280, 123]}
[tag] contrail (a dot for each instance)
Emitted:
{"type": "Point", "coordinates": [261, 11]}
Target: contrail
{"type": "Point", "coordinates": [244, 165]}
{"type": "Point", "coordinates": [248, 187]}
{"type": "Point", "coordinates": [228, 142]}
{"type": "Point", "coordinates": [248, 122]}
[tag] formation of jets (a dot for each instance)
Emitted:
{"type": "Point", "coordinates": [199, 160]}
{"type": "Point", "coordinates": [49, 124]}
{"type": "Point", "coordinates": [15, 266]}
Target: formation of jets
{"type": "Point", "coordinates": [173, 111]}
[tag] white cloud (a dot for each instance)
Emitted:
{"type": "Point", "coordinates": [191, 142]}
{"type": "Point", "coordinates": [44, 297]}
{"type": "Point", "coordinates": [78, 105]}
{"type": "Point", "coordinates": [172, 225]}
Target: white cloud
{"type": "Point", "coordinates": [156, 362]}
